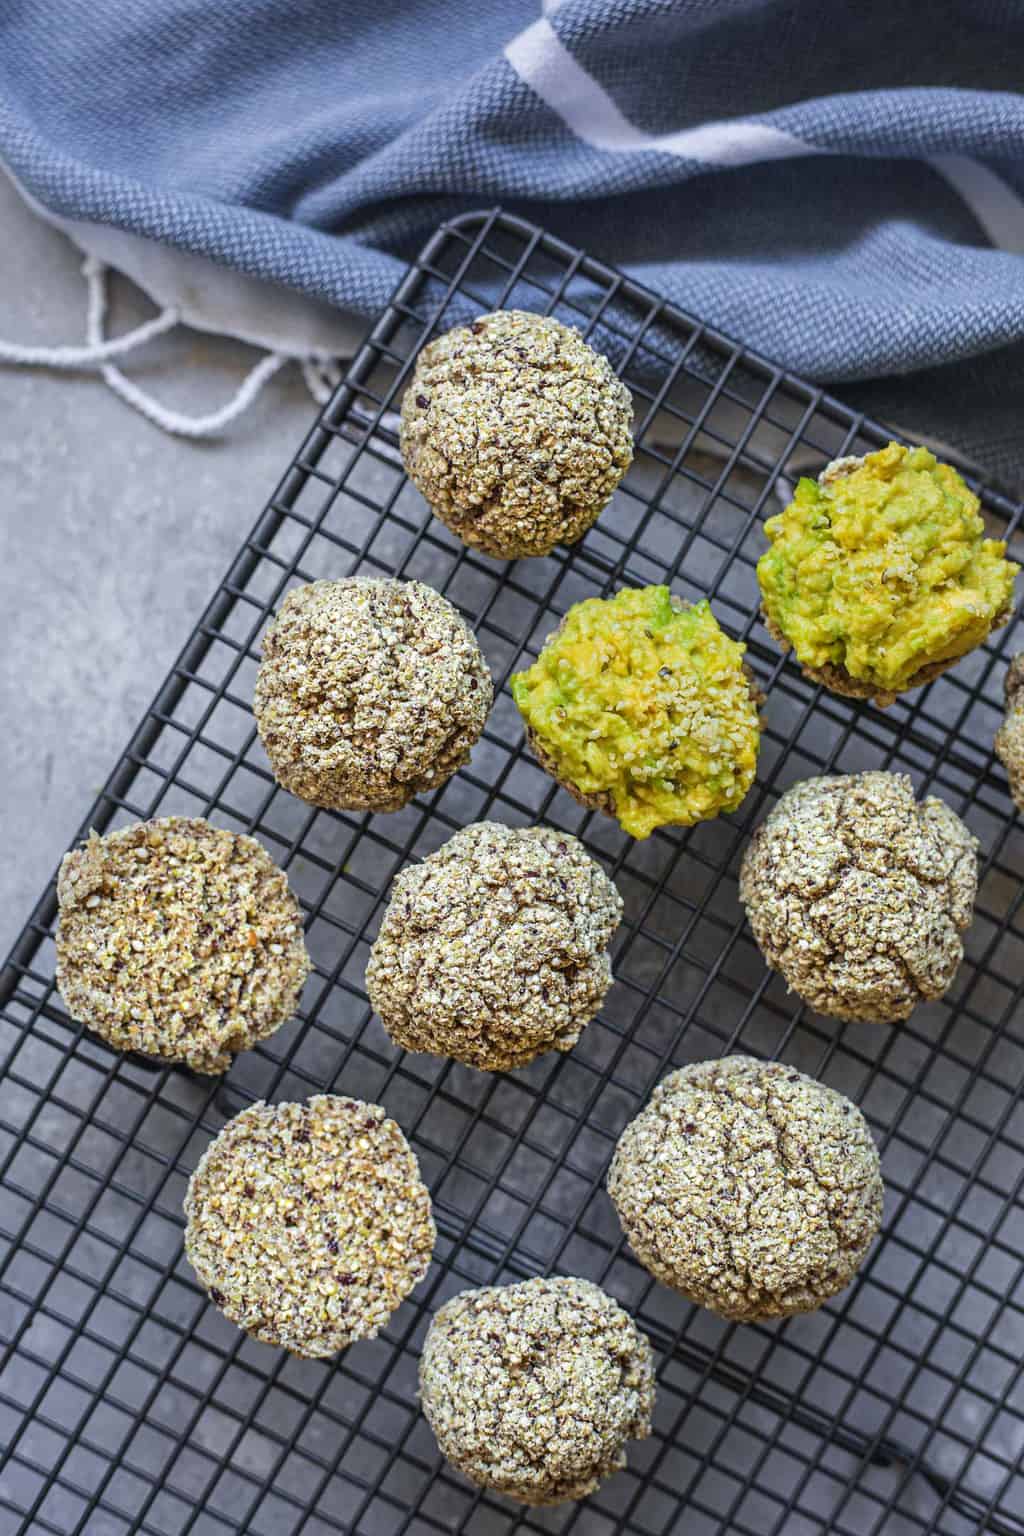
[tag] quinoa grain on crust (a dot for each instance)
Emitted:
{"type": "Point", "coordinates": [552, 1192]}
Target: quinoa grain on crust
{"type": "Point", "coordinates": [178, 940]}
{"type": "Point", "coordinates": [516, 432]}
{"type": "Point", "coordinates": [858, 894]}
{"type": "Point", "coordinates": [495, 948]}
{"type": "Point", "coordinates": [750, 1188]}
{"type": "Point", "coordinates": [534, 1390]}
{"type": "Point", "coordinates": [369, 692]}
{"type": "Point", "coordinates": [308, 1224]}
{"type": "Point", "coordinates": [1009, 742]}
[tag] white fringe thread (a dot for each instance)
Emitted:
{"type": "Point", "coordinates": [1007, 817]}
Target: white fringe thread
{"type": "Point", "coordinates": [321, 374]}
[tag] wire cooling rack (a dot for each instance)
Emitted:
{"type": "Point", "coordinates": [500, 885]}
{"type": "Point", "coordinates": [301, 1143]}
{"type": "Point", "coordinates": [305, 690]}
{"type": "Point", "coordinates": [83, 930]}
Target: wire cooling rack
{"type": "Point", "coordinates": [130, 1405]}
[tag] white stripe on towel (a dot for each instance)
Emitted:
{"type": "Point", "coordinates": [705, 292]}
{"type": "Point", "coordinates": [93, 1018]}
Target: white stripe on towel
{"type": "Point", "coordinates": [994, 203]}
{"type": "Point", "coordinates": [542, 61]}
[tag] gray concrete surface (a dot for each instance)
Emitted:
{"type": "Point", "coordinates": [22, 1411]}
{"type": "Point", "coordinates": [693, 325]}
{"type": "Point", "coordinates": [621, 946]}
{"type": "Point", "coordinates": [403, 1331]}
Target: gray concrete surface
{"type": "Point", "coordinates": [112, 537]}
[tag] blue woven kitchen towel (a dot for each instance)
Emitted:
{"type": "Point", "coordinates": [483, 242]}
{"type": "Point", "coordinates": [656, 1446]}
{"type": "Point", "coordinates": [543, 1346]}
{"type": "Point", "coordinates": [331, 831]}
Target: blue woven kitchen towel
{"type": "Point", "coordinates": [839, 185]}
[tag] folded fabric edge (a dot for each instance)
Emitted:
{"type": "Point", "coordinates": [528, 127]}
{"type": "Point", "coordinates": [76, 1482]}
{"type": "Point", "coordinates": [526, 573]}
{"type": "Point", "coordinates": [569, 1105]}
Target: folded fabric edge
{"type": "Point", "coordinates": [194, 291]}
{"type": "Point", "coordinates": [210, 297]}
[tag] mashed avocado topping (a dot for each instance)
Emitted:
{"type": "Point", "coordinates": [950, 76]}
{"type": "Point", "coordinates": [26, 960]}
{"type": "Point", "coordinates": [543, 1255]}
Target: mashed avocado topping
{"type": "Point", "coordinates": [645, 699]}
{"type": "Point", "coordinates": [885, 569]}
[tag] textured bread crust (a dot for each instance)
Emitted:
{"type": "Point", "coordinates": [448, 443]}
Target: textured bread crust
{"type": "Point", "coordinates": [1009, 739]}
{"type": "Point", "coordinates": [370, 691]}
{"type": "Point", "coordinates": [748, 1187]}
{"type": "Point", "coordinates": [494, 949]}
{"type": "Point", "coordinates": [858, 894]}
{"type": "Point", "coordinates": [178, 941]}
{"type": "Point", "coordinates": [534, 1390]}
{"type": "Point", "coordinates": [308, 1224]}
{"type": "Point", "coordinates": [516, 432]}
{"type": "Point", "coordinates": [1013, 682]}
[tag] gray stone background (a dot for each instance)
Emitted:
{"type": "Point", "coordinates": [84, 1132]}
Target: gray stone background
{"type": "Point", "coordinates": [112, 538]}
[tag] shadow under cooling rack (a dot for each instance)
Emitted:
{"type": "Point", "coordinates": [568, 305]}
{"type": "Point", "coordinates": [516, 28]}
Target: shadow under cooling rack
{"type": "Point", "coordinates": [128, 1404]}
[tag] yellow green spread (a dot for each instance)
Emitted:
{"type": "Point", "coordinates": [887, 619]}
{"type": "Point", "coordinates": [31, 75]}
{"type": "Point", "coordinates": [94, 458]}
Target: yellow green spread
{"type": "Point", "coordinates": [642, 698]}
{"type": "Point", "coordinates": [884, 570]}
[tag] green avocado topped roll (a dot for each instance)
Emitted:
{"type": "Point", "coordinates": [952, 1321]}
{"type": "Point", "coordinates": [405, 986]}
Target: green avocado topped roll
{"type": "Point", "coordinates": [880, 576]}
{"type": "Point", "coordinates": [641, 707]}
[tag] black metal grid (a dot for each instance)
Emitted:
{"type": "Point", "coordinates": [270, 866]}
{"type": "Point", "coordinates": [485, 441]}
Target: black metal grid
{"type": "Point", "coordinates": [128, 1404]}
